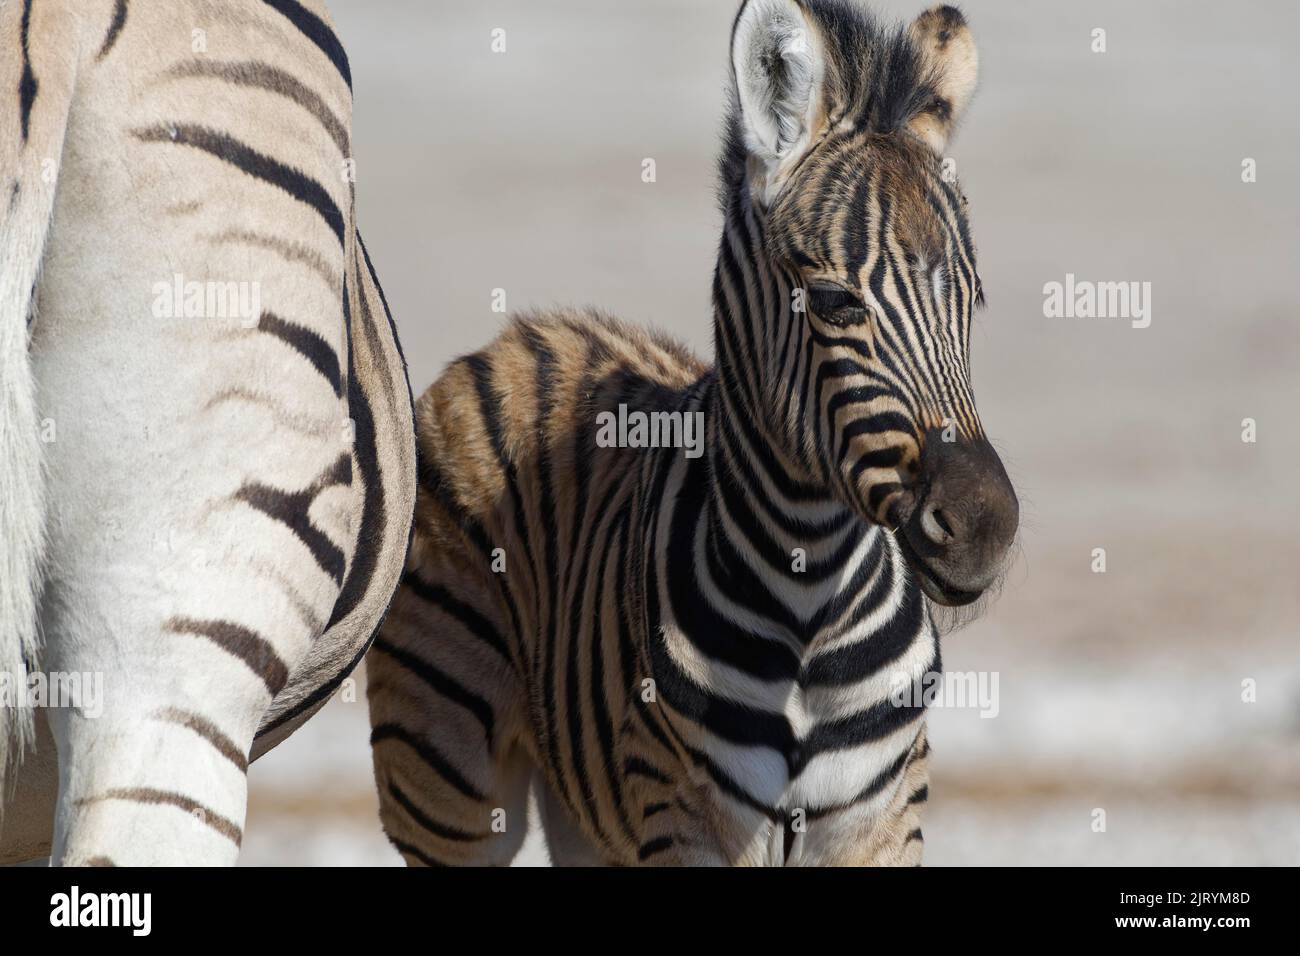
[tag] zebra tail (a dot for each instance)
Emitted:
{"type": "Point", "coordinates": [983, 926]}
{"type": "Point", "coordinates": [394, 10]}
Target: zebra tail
{"type": "Point", "coordinates": [31, 143]}
{"type": "Point", "coordinates": [22, 492]}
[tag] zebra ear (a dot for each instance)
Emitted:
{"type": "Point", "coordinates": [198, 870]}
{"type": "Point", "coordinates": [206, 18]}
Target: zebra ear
{"type": "Point", "coordinates": [777, 67]}
{"type": "Point", "coordinates": [950, 63]}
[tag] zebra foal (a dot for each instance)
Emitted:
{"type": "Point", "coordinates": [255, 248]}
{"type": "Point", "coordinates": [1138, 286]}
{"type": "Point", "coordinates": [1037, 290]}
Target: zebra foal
{"type": "Point", "coordinates": [697, 658]}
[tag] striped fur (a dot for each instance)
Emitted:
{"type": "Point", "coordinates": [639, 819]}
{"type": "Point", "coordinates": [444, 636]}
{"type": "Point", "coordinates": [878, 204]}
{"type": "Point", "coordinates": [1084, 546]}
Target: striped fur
{"type": "Point", "coordinates": [230, 496]}
{"type": "Point", "coordinates": [696, 658]}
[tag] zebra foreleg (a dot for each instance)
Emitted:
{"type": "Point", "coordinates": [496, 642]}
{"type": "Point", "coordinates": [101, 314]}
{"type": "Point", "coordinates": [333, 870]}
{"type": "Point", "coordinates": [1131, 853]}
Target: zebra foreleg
{"type": "Point", "coordinates": [891, 836]}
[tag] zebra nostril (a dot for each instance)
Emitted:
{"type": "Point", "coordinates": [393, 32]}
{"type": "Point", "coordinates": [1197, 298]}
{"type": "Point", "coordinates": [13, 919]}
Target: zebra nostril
{"type": "Point", "coordinates": [935, 525]}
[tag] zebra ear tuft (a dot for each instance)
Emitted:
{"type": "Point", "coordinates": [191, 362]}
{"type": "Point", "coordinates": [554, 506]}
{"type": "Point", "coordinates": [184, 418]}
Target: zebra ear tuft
{"type": "Point", "coordinates": [950, 64]}
{"type": "Point", "coordinates": [777, 68]}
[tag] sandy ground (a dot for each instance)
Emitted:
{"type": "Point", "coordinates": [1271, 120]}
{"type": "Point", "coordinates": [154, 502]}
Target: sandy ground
{"type": "Point", "coordinates": [1119, 691]}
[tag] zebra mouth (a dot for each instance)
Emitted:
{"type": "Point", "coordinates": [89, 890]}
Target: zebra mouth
{"type": "Point", "coordinates": [934, 586]}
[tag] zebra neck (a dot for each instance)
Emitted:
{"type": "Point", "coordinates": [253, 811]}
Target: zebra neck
{"type": "Point", "coordinates": [757, 342]}
{"type": "Point", "coordinates": [770, 542]}
{"type": "Point", "coordinates": [764, 539]}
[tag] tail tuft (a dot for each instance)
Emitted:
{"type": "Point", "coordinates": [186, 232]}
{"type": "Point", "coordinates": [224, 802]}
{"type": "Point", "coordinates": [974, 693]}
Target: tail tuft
{"type": "Point", "coordinates": [22, 518]}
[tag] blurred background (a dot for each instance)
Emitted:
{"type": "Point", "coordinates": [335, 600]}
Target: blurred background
{"type": "Point", "coordinates": [1119, 691]}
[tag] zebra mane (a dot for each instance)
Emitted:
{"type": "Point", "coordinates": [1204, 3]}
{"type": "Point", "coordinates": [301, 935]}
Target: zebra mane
{"type": "Point", "coordinates": [875, 74]}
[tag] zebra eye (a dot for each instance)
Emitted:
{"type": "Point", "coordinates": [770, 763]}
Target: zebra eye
{"type": "Point", "coordinates": [836, 306]}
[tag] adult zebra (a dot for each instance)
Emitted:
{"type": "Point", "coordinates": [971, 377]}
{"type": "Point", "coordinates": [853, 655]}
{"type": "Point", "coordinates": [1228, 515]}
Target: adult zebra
{"type": "Point", "coordinates": [206, 440]}
{"type": "Point", "coordinates": [699, 656]}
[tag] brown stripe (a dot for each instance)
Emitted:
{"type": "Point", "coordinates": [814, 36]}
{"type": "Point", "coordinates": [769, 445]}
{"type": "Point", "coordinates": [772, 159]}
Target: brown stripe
{"type": "Point", "coordinates": [114, 29]}
{"type": "Point", "coordinates": [250, 647]}
{"type": "Point", "coordinates": [263, 76]}
{"type": "Point", "coordinates": [281, 414]}
{"type": "Point", "coordinates": [167, 798]}
{"type": "Point", "coordinates": [289, 251]}
{"type": "Point", "coordinates": [208, 731]}
{"type": "Point", "coordinates": [99, 861]}
{"type": "Point", "coordinates": [290, 180]}
{"type": "Point", "coordinates": [306, 613]}
{"type": "Point", "coordinates": [293, 510]}
{"type": "Point", "coordinates": [28, 85]}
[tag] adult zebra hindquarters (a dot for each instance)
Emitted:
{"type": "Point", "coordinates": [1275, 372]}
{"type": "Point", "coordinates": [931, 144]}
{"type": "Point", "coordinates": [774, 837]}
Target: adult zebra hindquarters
{"type": "Point", "coordinates": [234, 469]}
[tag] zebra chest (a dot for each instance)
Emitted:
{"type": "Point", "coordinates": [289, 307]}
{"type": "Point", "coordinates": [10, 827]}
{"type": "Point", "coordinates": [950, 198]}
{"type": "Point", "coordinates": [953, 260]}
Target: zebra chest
{"type": "Point", "coordinates": [795, 744]}
{"type": "Point", "coordinates": [805, 786]}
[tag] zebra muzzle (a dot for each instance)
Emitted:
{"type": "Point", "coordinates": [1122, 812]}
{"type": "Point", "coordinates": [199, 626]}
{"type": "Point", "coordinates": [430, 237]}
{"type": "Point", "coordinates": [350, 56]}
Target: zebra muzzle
{"type": "Point", "coordinates": [959, 533]}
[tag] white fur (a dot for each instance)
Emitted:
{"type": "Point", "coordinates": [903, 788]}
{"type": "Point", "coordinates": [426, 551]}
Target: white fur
{"type": "Point", "coordinates": [777, 106]}
{"type": "Point", "coordinates": [22, 498]}
{"type": "Point", "coordinates": [940, 288]}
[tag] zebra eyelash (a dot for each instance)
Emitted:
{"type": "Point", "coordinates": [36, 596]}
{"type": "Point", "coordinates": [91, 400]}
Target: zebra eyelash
{"type": "Point", "coordinates": [837, 306]}
{"type": "Point", "coordinates": [826, 299]}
